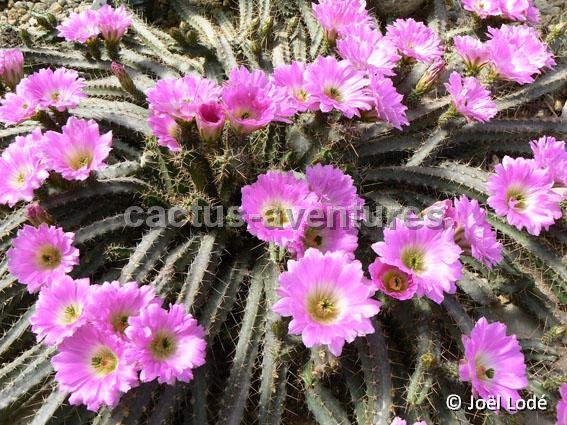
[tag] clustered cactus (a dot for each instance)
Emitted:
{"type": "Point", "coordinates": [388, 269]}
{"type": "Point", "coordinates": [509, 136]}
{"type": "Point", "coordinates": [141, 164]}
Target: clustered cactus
{"type": "Point", "coordinates": [123, 163]}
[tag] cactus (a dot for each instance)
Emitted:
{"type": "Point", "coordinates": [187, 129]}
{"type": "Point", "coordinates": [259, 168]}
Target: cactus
{"type": "Point", "coordinates": [255, 371]}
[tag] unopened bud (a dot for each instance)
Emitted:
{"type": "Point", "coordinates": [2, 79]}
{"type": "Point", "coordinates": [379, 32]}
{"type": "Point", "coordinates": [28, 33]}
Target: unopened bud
{"type": "Point", "coordinates": [11, 66]}
{"type": "Point", "coordinates": [37, 215]}
{"type": "Point", "coordinates": [125, 80]}
{"type": "Point", "coordinates": [430, 77]}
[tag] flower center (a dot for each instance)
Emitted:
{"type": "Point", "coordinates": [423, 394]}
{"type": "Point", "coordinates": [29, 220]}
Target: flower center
{"type": "Point", "coordinates": [312, 238]}
{"type": "Point", "coordinates": [71, 314]}
{"type": "Point", "coordinates": [163, 345]}
{"type": "Point", "coordinates": [119, 322]}
{"type": "Point", "coordinates": [517, 196]}
{"type": "Point", "coordinates": [80, 159]}
{"type": "Point", "coordinates": [394, 281]}
{"type": "Point", "coordinates": [104, 361]}
{"type": "Point", "coordinates": [19, 179]}
{"type": "Point", "coordinates": [48, 257]}
{"type": "Point", "coordinates": [333, 93]}
{"type": "Point", "coordinates": [55, 96]}
{"type": "Point", "coordinates": [276, 215]}
{"type": "Point", "coordinates": [323, 307]}
{"type": "Point", "coordinates": [483, 373]}
{"type": "Point", "coordinates": [301, 95]}
{"type": "Point", "coordinates": [413, 258]}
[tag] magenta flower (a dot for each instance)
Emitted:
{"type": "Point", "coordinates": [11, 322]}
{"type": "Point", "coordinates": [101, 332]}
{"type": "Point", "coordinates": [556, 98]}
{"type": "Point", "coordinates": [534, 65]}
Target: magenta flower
{"type": "Point", "coordinates": [91, 366]}
{"type": "Point", "coordinates": [60, 89]}
{"type": "Point", "coordinates": [337, 85]}
{"type": "Point", "coordinates": [78, 149]}
{"type": "Point", "coordinates": [551, 154]}
{"type": "Point", "coordinates": [473, 233]}
{"type": "Point", "coordinates": [415, 40]}
{"type": "Point", "coordinates": [337, 15]}
{"type": "Point", "coordinates": [493, 363]}
{"type": "Point", "coordinates": [21, 169]}
{"type": "Point", "coordinates": [60, 309]}
{"type": "Point", "coordinates": [181, 97]}
{"type": "Point", "coordinates": [483, 8]}
{"type": "Point", "coordinates": [165, 129]}
{"type": "Point", "coordinates": [40, 255]}
{"type": "Point", "coordinates": [399, 421]}
{"type": "Point", "coordinates": [114, 303]}
{"type": "Point", "coordinates": [17, 107]}
{"type": "Point", "coordinates": [328, 298]}
{"type": "Point", "coordinates": [80, 27]}
{"type": "Point", "coordinates": [475, 53]}
{"type": "Point", "coordinates": [210, 120]}
{"type": "Point", "coordinates": [470, 98]}
{"type": "Point", "coordinates": [516, 53]}
{"type": "Point", "coordinates": [335, 189]}
{"type": "Point", "coordinates": [521, 191]}
{"type": "Point", "coordinates": [248, 100]}
{"type": "Point", "coordinates": [328, 229]}
{"type": "Point", "coordinates": [113, 23]}
{"type": "Point", "coordinates": [367, 49]}
{"type": "Point", "coordinates": [291, 78]}
{"type": "Point", "coordinates": [519, 10]}
{"type": "Point", "coordinates": [166, 345]}
{"type": "Point", "coordinates": [387, 102]}
{"type": "Point", "coordinates": [392, 281]}
{"type": "Point", "coordinates": [428, 254]}
{"type": "Point", "coordinates": [11, 66]}
{"type": "Point", "coordinates": [275, 207]}
{"type": "Point", "coordinates": [562, 406]}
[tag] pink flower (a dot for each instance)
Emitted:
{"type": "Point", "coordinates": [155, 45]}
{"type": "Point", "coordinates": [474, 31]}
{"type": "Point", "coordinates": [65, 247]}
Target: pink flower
{"type": "Point", "coordinates": [337, 15]}
{"type": "Point", "coordinates": [60, 89]}
{"type": "Point", "coordinates": [39, 256]}
{"type": "Point", "coordinates": [80, 27]}
{"type": "Point", "coordinates": [210, 121]}
{"type": "Point", "coordinates": [493, 363]}
{"type": "Point", "coordinates": [91, 366]}
{"type": "Point", "coordinates": [521, 191]}
{"type": "Point", "coordinates": [337, 85]}
{"type": "Point", "coordinates": [415, 40]}
{"type": "Point", "coordinates": [11, 66]}
{"type": "Point", "coordinates": [473, 233]}
{"type": "Point", "coordinates": [165, 129]}
{"type": "Point", "coordinates": [399, 421]}
{"type": "Point", "coordinates": [78, 149]}
{"type": "Point", "coordinates": [113, 23]}
{"type": "Point", "coordinates": [275, 207]}
{"type": "Point", "coordinates": [291, 78]}
{"type": "Point", "coordinates": [391, 280]}
{"type": "Point", "coordinates": [114, 303]}
{"type": "Point", "coordinates": [166, 345]}
{"type": "Point", "coordinates": [328, 298]}
{"type": "Point", "coordinates": [387, 102]}
{"type": "Point", "coordinates": [248, 100]}
{"type": "Point", "coordinates": [483, 8]}
{"type": "Point", "coordinates": [519, 10]}
{"type": "Point", "coordinates": [428, 254]}
{"type": "Point", "coordinates": [21, 169]}
{"type": "Point", "coordinates": [475, 54]}
{"type": "Point", "coordinates": [17, 107]}
{"type": "Point", "coordinates": [562, 406]}
{"type": "Point", "coordinates": [367, 49]}
{"type": "Point", "coordinates": [60, 309]}
{"type": "Point", "coordinates": [328, 229]}
{"type": "Point", "coordinates": [334, 189]}
{"type": "Point", "coordinates": [470, 98]}
{"type": "Point", "coordinates": [551, 154]}
{"type": "Point", "coordinates": [181, 97]}
{"type": "Point", "coordinates": [516, 53]}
